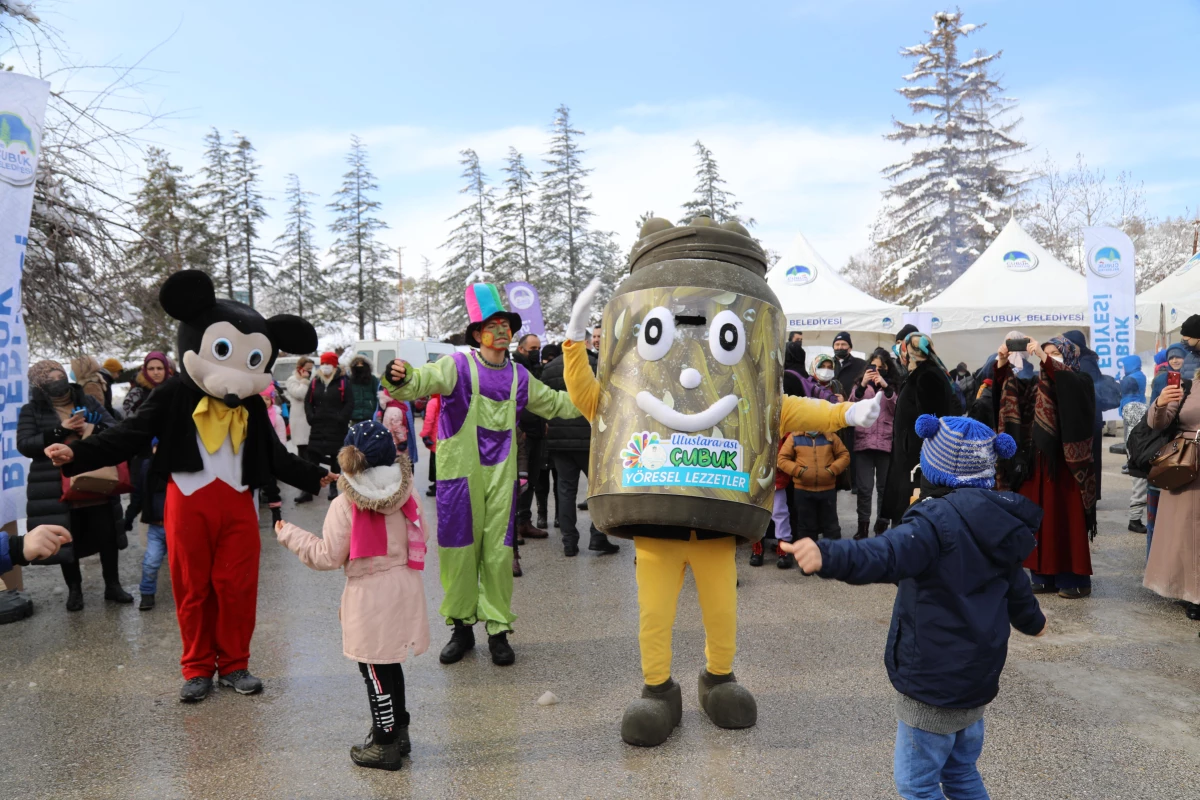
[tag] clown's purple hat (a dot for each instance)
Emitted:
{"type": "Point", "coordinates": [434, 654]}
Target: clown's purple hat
{"type": "Point", "coordinates": [484, 303]}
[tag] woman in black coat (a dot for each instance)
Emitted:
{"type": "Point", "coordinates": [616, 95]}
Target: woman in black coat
{"type": "Point", "coordinates": [49, 418]}
{"type": "Point", "coordinates": [328, 407]}
{"type": "Point", "coordinates": [926, 390]}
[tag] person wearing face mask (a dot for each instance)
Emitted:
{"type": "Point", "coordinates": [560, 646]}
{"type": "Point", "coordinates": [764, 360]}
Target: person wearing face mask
{"type": "Point", "coordinates": [1051, 420]}
{"type": "Point", "coordinates": [926, 390]}
{"type": "Point", "coordinates": [328, 406]}
{"type": "Point", "coordinates": [531, 439]}
{"type": "Point", "coordinates": [59, 412]}
{"type": "Point", "coordinates": [1189, 335]}
{"type": "Point", "coordinates": [874, 444]}
{"type": "Point", "coordinates": [849, 369]}
{"type": "Point", "coordinates": [296, 389]}
{"type": "Point", "coordinates": [822, 370]}
{"type": "Point", "coordinates": [365, 388]}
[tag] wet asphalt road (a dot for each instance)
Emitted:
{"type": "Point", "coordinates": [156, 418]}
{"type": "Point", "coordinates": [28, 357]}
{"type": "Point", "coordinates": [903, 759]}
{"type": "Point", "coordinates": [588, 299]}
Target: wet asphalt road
{"type": "Point", "coordinates": [1106, 706]}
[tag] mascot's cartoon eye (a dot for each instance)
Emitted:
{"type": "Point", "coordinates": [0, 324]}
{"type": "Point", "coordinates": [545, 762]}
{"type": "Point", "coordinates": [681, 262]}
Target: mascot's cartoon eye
{"type": "Point", "coordinates": [254, 359]}
{"type": "Point", "coordinates": [657, 334]}
{"type": "Point", "coordinates": [222, 349]}
{"type": "Point", "coordinates": [727, 338]}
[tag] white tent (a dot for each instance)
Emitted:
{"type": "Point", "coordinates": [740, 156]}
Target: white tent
{"type": "Point", "coordinates": [1177, 296]}
{"type": "Point", "coordinates": [1015, 284]}
{"type": "Point", "coordinates": [816, 299]}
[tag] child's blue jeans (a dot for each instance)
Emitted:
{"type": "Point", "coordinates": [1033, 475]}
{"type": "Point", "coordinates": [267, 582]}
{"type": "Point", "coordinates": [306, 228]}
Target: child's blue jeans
{"type": "Point", "coordinates": [929, 763]}
{"type": "Point", "coordinates": [156, 551]}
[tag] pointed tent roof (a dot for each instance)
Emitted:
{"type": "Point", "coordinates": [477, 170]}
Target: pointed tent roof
{"type": "Point", "coordinates": [815, 297]}
{"type": "Point", "coordinates": [1016, 283]}
{"type": "Point", "coordinates": [1178, 294]}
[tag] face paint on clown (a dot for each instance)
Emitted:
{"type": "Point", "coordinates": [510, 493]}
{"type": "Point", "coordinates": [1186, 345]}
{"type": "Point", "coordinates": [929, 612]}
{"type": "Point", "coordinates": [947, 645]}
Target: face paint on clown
{"type": "Point", "coordinates": [495, 335]}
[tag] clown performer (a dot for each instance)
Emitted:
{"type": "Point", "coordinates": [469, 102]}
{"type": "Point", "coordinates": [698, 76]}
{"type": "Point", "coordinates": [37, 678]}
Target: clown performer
{"type": "Point", "coordinates": [687, 409]}
{"type": "Point", "coordinates": [483, 394]}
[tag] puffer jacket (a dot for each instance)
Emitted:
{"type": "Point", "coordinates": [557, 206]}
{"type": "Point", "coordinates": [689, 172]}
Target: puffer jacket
{"type": "Point", "coordinates": [814, 460]}
{"type": "Point", "coordinates": [328, 407]}
{"type": "Point", "coordinates": [879, 436]}
{"type": "Point", "coordinates": [429, 429]}
{"type": "Point", "coordinates": [296, 389]}
{"type": "Point", "coordinates": [567, 434]}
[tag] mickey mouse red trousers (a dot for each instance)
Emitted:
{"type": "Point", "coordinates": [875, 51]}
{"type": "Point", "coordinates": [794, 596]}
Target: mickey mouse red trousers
{"type": "Point", "coordinates": [213, 547]}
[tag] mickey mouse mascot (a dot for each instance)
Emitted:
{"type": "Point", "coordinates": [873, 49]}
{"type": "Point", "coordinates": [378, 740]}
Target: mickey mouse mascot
{"type": "Point", "coordinates": [216, 447]}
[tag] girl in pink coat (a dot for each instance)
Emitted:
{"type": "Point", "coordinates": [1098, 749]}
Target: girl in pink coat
{"type": "Point", "coordinates": [375, 530]}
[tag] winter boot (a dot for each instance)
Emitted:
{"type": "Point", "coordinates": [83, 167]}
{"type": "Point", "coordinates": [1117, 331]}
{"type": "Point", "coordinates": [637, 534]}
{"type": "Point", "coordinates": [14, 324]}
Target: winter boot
{"type": "Point", "coordinates": [756, 554]}
{"type": "Point", "coordinates": [462, 640]}
{"type": "Point", "coordinates": [242, 682]}
{"type": "Point", "coordinates": [516, 566]}
{"type": "Point", "coordinates": [600, 544]}
{"type": "Point", "coordinates": [502, 652]}
{"type": "Point", "coordinates": [1136, 526]}
{"type": "Point", "coordinates": [582, 506]}
{"type": "Point", "coordinates": [864, 528]}
{"type": "Point", "coordinates": [375, 755]}
{"type": "Point", "coordinates": [305, 497]}
{"type": "Point", "coordinates": [785, 560]}
{"type": "Point", "coordinates": [195, 689]}
{"type": "Point", "coordinates": [726, 702]}
{"type": "Point", "coordinates": [527, 531]}
{"type": "Point", "coordinates": [882, 525]}
{"type": "Point", "coordinates": [570, 549]}
{"type": "Point", "coordinates": [147, 602]}
{"type": "Point", "coordinates": [74, 597]}
{"type": "Point", "coordinates": [649, 719]}
{"type": "Point", "coordinates": [333, 490]}
{"type": "Point", "coordinates": [276, 515]}
{"type": "Point", "coordinates": [541, 521]}
{"type": "Point", "coordinates": [115, 593]}
{"type": "Point", "coordinates": [403, 740]}
{"type": "Point", "coordinates": [14, 605]}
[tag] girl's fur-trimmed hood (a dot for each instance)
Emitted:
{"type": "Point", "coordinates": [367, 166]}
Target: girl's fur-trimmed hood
{"type": "Point", "coordinates": [382, 489]}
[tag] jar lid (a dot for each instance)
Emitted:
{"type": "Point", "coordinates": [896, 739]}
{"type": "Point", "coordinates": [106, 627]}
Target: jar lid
{"type": "Point", "coordinates": [700, 239]}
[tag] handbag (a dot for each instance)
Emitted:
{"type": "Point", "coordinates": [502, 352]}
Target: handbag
{"type": "Point", "coordinates": [1176, 463]}
{"type": "Point", "coordinates": [92, 488]}
{"type": "Point", "coordinates": [1144, 442]}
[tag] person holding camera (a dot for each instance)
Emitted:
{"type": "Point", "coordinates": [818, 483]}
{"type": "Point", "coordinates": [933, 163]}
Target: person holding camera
{"type": "Point", "coordinates": [1050, 417]}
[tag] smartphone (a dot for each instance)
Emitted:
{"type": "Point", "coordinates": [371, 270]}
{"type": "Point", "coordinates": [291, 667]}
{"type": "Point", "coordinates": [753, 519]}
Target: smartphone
{"type": "Point", "coordinates": [1017, 345]}
{"type": "Point", "coordinates": [1174, 378]}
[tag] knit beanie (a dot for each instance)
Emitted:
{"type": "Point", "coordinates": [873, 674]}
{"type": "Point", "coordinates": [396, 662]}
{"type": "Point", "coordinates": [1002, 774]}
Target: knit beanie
{"type": "Point", "coordinates": [844, 336]}
{"type": "Point", "coordinates": [1176, 351]}
{"type": "Point", "coordinates": [113, 366]}
{"type": "Point", "coordinates": [375, 444]}
{"type": "Point", "coordinates": [1191, 327]}
{"type": "Point", "coordinates": [329, 358]}
{"type": "Point", "coordinates": [959, 451]}
{"type": "Point", "coordinates": [905, 331]}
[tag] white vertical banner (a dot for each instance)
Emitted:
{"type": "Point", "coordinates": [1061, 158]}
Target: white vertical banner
{"type": "Point", "coordinates": [22, 115]}
{"type": "Point", "coordinates": [1112, 296]}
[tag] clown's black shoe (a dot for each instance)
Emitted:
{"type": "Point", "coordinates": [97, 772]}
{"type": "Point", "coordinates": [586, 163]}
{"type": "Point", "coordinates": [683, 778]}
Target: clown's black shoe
{"type": "Point", "coordinates": [462, 640]}
{"type": "Point", "coordinates": [726, 702]}
{"type": "Point", "coordinates": [649, 720]}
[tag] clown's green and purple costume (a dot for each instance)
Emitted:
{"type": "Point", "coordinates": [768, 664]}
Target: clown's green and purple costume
{"type": "Point", "coordinates": [477, 475]}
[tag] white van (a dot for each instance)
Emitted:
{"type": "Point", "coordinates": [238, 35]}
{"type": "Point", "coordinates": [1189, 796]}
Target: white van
{"type": "Point", "coordinates": [417, 352]}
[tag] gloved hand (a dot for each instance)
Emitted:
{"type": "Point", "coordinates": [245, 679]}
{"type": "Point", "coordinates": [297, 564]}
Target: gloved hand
{"type": "Point", "coordinates": [92, 417]}
{"type": "Point", "coordinates": [428, 440]}
{"type": "Point", "coordinates": [581, 312]}
{"type": "Point", "coordinates": [864, 413]}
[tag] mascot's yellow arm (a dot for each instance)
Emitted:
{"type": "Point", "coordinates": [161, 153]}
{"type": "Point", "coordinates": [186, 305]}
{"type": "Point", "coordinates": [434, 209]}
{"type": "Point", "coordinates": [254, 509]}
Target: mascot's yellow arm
{"type": "Point", "coordinates": [799, 413]}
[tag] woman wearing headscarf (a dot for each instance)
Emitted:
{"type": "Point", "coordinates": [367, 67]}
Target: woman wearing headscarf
{"type": "Point", "coordinates": [60, 412]}
{"type": "Point", "coordinates": [156, 368]}
{"type": "Point", "coordinates": [296, 389]}
{"type": "Point", "coordinates": [86, 370]}
{"type": "Point", "coordinates": [797, 381]}
{"type": "Point", "coordinates": [822, 370]}
{"type": "Point", "coordinates": [1171, 361]}
{"type": "Point", "coordinates": [1051, 418]}
{"type": "Point", "coordinates": [1089, 364]}
{"type": "Point", "coordinates": [926, 390]}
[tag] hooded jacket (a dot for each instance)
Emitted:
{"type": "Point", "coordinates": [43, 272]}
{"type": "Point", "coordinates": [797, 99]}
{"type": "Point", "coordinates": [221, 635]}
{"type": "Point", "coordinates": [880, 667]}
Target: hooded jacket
{"type": "Point", "coordinates": [957, 560]}
{"type": "Point", "coordinates": [328, 407]}
{"type": "Point", "coordinates": [1133, 385]}
{"type": "Point", "coordinates": [814, 460]}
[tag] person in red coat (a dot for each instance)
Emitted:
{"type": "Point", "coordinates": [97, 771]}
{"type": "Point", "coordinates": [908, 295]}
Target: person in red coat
{"type": "Point", "coordinates": [433, 410]}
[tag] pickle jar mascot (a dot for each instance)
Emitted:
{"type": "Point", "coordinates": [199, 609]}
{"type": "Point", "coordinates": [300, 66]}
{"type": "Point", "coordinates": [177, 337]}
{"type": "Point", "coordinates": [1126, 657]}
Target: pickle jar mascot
{"type": "Point", "coordinates": [483, 394]}
{"type": "Point", "coordinates": [687, 409]}
{"type": "Point", "coordinates": [216, 447]}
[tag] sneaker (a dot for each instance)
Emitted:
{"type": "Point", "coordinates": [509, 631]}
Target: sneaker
{"type": "Point", "coordinates": [786, 561]}
{"type": "Point", "coordinates": [1136, 526]}
{"type": "Point", "coordinates": [502, 652]}
{"type": "Point", "coordinates": [195, 689]}
{"type": "Point", "coordinates": [147, 602]}
{"type": "Point", "coordinates": [462, 640]}
{"type": "Point", "coordinates": [14, 605]}
{"type": "Point", "coordinates": [114, 593]}
{"type": "Point", "coordinates": [756, 554]}
{"type": "Point", "coordinates": [242, 682]}
{"type": "Point", "coordinates": [375, 755]}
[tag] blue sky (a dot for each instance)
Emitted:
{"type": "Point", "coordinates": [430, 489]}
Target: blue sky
{"type": "Point", "coordinates": [792, 97]}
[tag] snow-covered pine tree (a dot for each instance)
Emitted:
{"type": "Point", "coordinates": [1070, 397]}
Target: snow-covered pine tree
{"type": "Point", "coordinates": [426, 299]}
{"type": "Point", "coordinates": [172, 235]}
{"type": "Point", "coordinates": [710, 198]}
{"type": "Point", "coordinates": [563, 222]}
{"type": "Point", "coordinates": [469, 244]}
{"type": "Point", "coordinates": [359, 257]}
{"type": "Point", "coordinates": [301, 285]}
{"type": "Point", "coordinates": [218, 195]}
{"type": "Point", "coordinates": [516, 214]}
{"type": "Point", "coordinates": [248, 213]}
{"type": "Point", "coordinates": [953, 185]}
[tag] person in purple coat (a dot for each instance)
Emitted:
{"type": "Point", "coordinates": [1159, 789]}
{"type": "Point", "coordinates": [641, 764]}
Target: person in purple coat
{"type": "Point", "coordinates": [873, 446]}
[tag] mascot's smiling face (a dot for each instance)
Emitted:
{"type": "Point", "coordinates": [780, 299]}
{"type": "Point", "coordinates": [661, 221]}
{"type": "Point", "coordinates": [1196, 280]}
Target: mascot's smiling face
{"type": "Point", "coordinates": [227, 348]}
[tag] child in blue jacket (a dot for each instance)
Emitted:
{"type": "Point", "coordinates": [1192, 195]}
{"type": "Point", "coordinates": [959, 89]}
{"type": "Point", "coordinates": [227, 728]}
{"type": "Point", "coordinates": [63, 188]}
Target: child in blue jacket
{"type": "Point", "coordinates": [957, 558]}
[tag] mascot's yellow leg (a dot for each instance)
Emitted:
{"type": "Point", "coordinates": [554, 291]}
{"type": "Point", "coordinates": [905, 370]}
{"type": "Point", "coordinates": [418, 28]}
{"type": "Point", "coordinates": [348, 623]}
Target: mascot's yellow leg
{"type": "Point", "coordinates": [660, 567]}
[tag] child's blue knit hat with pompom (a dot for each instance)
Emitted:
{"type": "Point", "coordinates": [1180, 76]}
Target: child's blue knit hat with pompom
{"type": "Point", "coordinates": [959, 451]}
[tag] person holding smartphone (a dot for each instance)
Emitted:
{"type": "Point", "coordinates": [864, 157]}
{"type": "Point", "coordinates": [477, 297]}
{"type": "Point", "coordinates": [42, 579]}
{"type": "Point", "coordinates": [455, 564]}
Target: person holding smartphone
{"type": "Point", "coordinates": [873, 446]}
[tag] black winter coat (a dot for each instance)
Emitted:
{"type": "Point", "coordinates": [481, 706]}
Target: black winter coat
{"type": "Point", "coordinates": [530, 423]}
{"type": "Point", "coordinates": [167, 415]}
{"type": "Point", "coordinates": [850, 371]}
{"type": "Point", "coordinates": [573, 435]}
{"type": "Point", "coordinates": [926, 391]}
{"type": "Point", "coordinates": [329, 408]}
{"type": "Point", "coordinates": [38, 427]}
{"type": "Point", "coordinates": [957, 560]}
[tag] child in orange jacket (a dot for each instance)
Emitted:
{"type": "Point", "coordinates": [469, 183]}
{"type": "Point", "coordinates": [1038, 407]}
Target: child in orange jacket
{"type": "Point", "coordinates": [814, 460]}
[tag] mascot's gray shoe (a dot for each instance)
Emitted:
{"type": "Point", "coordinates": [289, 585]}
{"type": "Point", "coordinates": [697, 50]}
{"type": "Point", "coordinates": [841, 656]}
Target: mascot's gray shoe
{"type": "Point", "coordinates": [726, 702]}
{"type": "Point", "coordinates": [649, 720]}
